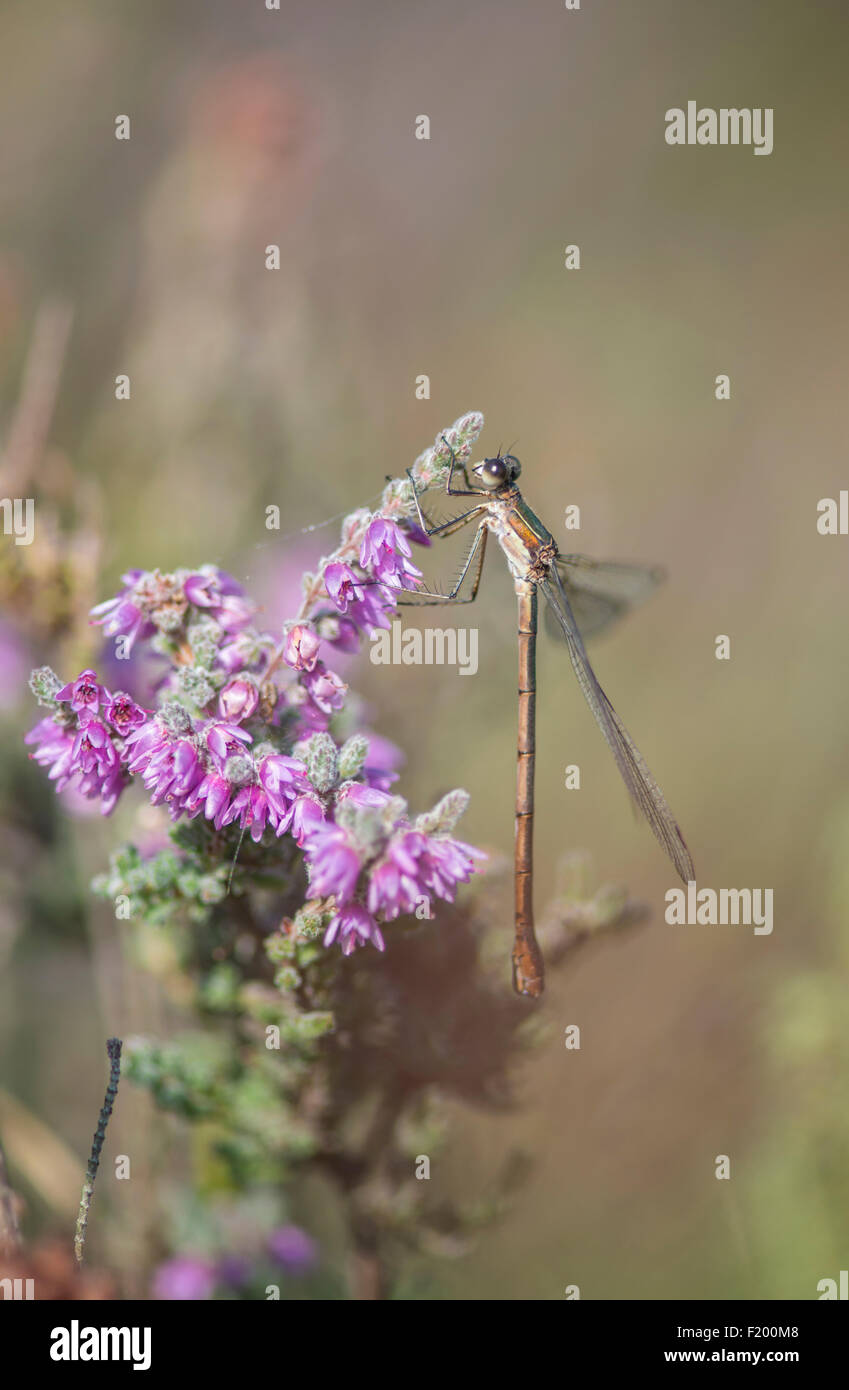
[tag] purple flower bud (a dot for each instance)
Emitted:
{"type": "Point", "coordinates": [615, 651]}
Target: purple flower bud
{"type": "Point", "coordinates": [238, 699]}
{"type": "Point", "coordinates": [202, 590]}
{"type": "Point", "coordinates": [301, 647]}
{"type": "Point", "coordinates": [414, 531]}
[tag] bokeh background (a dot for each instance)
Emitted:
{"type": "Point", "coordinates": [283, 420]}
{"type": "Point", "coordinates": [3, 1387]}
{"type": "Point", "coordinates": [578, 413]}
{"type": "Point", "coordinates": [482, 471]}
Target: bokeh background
{"type": "Point", "coordinates": [402, 257]}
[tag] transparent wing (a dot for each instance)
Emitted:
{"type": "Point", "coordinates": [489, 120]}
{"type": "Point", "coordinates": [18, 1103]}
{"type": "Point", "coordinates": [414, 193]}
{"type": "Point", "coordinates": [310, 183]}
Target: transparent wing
{"type": "Point", "coordinates": [635, 774]}
{"type": "Point", "coordinates": [601, 592]}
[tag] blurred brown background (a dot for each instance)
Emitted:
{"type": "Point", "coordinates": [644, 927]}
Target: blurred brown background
{"type": "Point", "coordinates": [297, 387]}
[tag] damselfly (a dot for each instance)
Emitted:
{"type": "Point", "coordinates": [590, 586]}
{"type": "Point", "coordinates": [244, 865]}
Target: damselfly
{"type": "Point", "coordinates": [583, 597]}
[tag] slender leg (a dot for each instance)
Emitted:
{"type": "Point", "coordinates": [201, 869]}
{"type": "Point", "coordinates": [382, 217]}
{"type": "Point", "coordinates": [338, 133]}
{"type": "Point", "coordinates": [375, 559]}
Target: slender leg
{"type": "Point", "coordinates": [455, 491]}
{"type": "Point", "coordinates": [447, 527]}
{"type": "Point", "coordinates": [431, 597]}
{"type": "Point", "coordinates": [478, 547]}
{"type": "Point", "coordinates": [528, 969]}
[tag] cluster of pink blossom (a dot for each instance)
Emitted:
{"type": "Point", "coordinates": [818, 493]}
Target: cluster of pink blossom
{"type": "Point", "coordinates": [237, 740]}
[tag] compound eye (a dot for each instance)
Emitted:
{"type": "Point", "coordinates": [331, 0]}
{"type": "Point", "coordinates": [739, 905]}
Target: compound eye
{"type": "Point", "coordinates": [493, 472]}
{"type": "Point", "coordinates": [514, 464]}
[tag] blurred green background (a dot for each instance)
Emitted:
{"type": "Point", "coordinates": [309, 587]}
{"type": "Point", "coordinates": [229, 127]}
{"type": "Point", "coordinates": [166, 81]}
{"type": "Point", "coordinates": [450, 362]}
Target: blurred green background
{"type": "Point", "coordinates": [402, 257]}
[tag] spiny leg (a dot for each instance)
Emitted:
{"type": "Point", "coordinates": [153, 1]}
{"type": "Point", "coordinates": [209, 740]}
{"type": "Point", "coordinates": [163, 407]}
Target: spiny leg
{"type": "Point", "coordinates": [478, 547]}
{"type": "Point", "coordinates": [448, 527]}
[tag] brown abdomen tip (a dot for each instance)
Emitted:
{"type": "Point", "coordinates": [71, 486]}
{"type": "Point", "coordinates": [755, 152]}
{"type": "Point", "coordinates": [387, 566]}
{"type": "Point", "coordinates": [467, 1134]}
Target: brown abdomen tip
{"type": "Point", "coordinates": [528, 973]}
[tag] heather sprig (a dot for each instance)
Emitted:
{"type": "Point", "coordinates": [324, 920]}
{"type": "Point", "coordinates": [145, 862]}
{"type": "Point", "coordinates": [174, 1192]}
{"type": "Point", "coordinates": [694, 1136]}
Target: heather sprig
{"type": "Point", "coordinates": [243, 728]}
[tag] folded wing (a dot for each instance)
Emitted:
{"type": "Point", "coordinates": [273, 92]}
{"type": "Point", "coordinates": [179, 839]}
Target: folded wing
{"type": "Point", "coordinates": [637, 778]}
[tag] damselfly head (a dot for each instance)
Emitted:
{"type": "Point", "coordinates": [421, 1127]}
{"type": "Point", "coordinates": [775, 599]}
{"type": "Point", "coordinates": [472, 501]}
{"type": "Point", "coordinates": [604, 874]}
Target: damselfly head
{"type": "Point", "coordinates": [497, 472]}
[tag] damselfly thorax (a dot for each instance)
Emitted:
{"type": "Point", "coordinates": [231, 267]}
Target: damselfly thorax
{"type": "Point", "coordinates": [530, 549]}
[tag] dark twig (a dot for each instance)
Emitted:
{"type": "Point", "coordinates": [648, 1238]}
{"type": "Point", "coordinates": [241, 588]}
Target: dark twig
{"type": "Point", "coordinates": [113, 1048]}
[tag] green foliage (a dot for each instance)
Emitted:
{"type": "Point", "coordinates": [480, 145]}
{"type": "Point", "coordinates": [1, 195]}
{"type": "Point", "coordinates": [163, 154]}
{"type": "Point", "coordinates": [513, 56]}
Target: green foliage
{"type": "Point", "coordinates": [161, 888]}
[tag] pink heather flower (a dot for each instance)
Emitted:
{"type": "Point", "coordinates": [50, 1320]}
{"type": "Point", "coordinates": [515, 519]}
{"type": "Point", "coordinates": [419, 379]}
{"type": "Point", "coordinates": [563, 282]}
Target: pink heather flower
{"type": "Point", "coordinates": [293, 1249]}
{"type": "Point", "coordinates": [363, 796]}
{"type": "Point", "coordinates": [93, 750]}
{"type": "Point", "coordinates": [334, 863]}
{"type": "Point", "coordinates": [238, 700]}
{"type": "Point", "coordinates": [222, 738]}
{"type": "Point", "coordinates": [173, 774]}
{"type": "Point", "coordinates": [87, 761]}
{"type": "Point", "coordinates": [342, 585]}
{"type": "Point", "coordinates": [416, 865]}
{"type": "Point", "coordinates": [212, 796]}
{"type": "Point", "coordinates": [123, 713]}
{"type": "Point", "coordinates": [373, 609]}
{"type": "Point", "coordinates": [307, 816]}
{"type": "Point", "coordinates": [385, 554]}
{"type": "Point", "coordinates": [300, 649]}
{"type": "Point", "coordinates": [282, 779]}
{"type": "Point", "coordinates": [185, 1277]}
{"type": "Point", "coordinates": [144, 743]}
{"type": "Point", "coordinates": [107, 784]}
{"type": "Point", "coordinates": [84, 694]}
{"type": "Point", "coordinates": [169, 766]}
{"type": "Point", "coordinates": [54, 746]}
{"type": "Point", "coordinates": [250, 806]}
{"type": "Point", "coordinates": [326, 689]}
{"type": "Point", "coordinates": [353, 927]}
{"type": "Point", "coordinates": [121, 616]}
{"type": "Point", "coordinates": [95, 758]}
{"type": "Point", "coordinates": [382, 759]}
{"type": "Point", "coordinates": [234, 612]}
{"type": "Point", "coordinates": [222, 597]}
